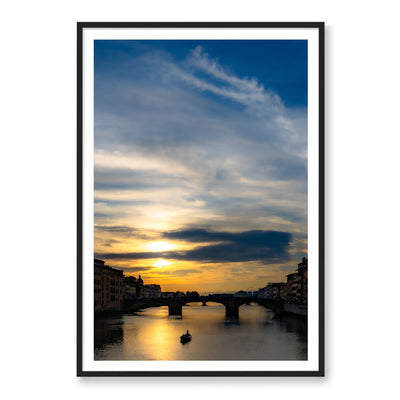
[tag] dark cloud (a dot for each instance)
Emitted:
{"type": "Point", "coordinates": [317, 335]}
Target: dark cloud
{"type": "Point", "coordinates": [136, 269]}
{"type": "Point", "coordinates": [121, 231]}
{"type": "Point", "coordinates": [179, 272]}
{"type": "Point", "coordinates": [110, 243]}
{"type": "Point", "coordinates": [254, 237]}
{"type": "Point", "coordinates": [116, 229]}
{"type": "Point", "coordinates": [256, 245]}
{"type": "Point", "coordinates": [128, 179]}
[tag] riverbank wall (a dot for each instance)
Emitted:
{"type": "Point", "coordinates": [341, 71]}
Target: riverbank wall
{"type": "Point", "coordinates": [298, 309]}
{"type": "Point", "coordinates": [283, 308]}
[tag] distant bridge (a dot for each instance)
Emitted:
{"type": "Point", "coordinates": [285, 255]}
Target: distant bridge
{"type": "Point", "coordinates": [230, 302]}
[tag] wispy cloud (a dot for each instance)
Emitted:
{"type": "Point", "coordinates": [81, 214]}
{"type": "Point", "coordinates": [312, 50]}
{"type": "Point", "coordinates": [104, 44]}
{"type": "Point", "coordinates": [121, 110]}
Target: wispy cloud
{"type": "Point", "coordinates": [246, 91]}
{"type": "Point", "coordinates": [115, 229]}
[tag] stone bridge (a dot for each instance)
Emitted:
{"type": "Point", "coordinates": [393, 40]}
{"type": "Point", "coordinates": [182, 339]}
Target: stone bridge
{"type": "Point", "coordinates": [231, 303]}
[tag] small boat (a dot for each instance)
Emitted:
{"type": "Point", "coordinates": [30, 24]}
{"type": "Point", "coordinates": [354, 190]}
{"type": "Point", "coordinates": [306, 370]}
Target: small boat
{"type": "Point", "coordinates": [187, 337]}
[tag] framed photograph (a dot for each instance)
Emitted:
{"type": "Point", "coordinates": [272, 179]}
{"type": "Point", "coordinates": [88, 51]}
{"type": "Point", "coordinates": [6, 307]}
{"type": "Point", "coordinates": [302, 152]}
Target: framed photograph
{"type": "Point", "coordinates": [200, 199]}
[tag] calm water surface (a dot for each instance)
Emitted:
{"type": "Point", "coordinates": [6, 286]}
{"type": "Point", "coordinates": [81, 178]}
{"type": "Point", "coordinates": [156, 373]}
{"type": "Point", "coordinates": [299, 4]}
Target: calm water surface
{"type": "Point", "coordinates": [153, 335]}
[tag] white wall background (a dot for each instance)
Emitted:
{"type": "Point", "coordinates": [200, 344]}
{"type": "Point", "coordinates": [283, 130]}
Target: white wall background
{"type": "Point", "coordinates": [38, 214]}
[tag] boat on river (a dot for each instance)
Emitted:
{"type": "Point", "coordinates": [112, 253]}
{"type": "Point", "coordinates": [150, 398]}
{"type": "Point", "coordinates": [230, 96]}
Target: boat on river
{"type": "Point", "coordinates": [187, 337]}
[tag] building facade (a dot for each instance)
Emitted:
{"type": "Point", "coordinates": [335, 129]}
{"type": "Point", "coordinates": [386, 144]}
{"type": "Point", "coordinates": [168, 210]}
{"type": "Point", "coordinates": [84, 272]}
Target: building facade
{"type": "Point", "coordinates": [292, 287]}
{"type": "Point", "coordinates": [260, 293]}
{"type": "Point", "coordinates": [139, 288]}
{"type": "Point", "coordinates": [151, 291]}
{"type": "Point", "coordinates": [302, 270]}
{"type": "Point", "coordinates": [278, 290]}
{"type": "Point", "coordinates": [108, 287]}
{"type": "Point", "coordinates": [130, 288]}
{"type": "Point", "coordinates": [297, 284]}
{"type": "Point", "coordinates": [269, 292]}
{"type": "Point", "coordinates": [167, 295]}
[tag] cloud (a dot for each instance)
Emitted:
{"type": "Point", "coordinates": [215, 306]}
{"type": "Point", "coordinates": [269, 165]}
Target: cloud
{"type": "Point", "coordinates": [136, 269]}
{"type": "Point", "coordinates": [243, 90]}
{"type": "Point", "coordinates": [255, 237]}
{"type": "Point", "coordinates": [118, 234]}
{"type": "Point", "coordinates": [111, 243]}
{"type": "Point", "coordinates": [140, 162]}
{"type": "Point", "coordinates": [268, 246]}
{"type": "Point", "coordinates": [117, 229]}
{"type": "Point", "coordinates": [179, 272]}
{"type": "Point", "coordinates": [187, 141]}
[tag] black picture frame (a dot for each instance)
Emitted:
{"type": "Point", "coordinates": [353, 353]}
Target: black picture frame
{"type": "Point", "coordinates": [81, 28]}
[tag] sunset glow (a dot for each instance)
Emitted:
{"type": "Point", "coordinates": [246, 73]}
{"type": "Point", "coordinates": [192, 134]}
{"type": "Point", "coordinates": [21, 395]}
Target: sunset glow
{"type": "Point", "coordinates": [159, 246]}
{"type": "Point", "coordinates": [200, 161]}
{"type": "Point", "coordinates": [161, 263]}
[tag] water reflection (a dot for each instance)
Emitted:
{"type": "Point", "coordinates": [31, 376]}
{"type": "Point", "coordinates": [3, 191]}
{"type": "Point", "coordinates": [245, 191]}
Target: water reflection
{"type": "Point", "coordinates": [153, 335]}
{"type": "Point", "coordinates": [229, 321]}
{"type": "Point", "coordinates": [107, 331]}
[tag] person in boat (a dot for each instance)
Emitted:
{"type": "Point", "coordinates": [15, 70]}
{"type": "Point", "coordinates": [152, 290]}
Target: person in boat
{"type": "Point", "coordinates": [187, 332]}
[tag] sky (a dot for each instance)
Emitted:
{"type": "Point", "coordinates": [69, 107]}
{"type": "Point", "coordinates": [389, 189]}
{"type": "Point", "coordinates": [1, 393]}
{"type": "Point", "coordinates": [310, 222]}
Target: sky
{"type": "Point", "coordinates": [200, 161]}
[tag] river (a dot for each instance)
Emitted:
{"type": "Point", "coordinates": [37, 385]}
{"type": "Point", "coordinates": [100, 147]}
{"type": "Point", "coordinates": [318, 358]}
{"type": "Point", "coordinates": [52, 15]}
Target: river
{"type": "Point", "coordinates": [151, 334]}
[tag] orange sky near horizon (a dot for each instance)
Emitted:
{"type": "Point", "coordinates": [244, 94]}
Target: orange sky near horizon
{"type": "Point", "coordinates": [178, 275]}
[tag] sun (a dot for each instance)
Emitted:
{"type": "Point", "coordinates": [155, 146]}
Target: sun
{"type": "Point", "coordinates": [159, 246]}
{"type": "Point", "coordinates": [161, 263]}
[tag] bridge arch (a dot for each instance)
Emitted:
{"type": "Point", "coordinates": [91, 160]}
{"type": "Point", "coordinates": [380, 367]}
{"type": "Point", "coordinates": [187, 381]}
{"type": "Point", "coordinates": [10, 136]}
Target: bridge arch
{"type": "Point", "coordinates": [231, 304]}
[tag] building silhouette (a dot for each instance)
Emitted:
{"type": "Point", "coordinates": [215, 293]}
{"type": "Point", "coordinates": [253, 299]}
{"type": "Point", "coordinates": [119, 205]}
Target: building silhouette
{"type": "Point", "coordinates": [139, 287]}
{"type": "Point", "coordinates": [108, 287]}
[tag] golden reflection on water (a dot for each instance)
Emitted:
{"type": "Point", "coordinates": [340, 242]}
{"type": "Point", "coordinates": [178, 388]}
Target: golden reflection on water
{"type": "Point", "coordinates": [159, 340]}
{"type": "Point", "coordinates": [160, 334]}
{"type": "Point", "coordinates": [153, 335]}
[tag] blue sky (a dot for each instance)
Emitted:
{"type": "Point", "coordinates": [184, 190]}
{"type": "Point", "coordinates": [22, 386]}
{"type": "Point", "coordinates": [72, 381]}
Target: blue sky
{"type": "Point", "coordinates": [201, 149]}
{"type": "Point", "coordinates": [280, 65]}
